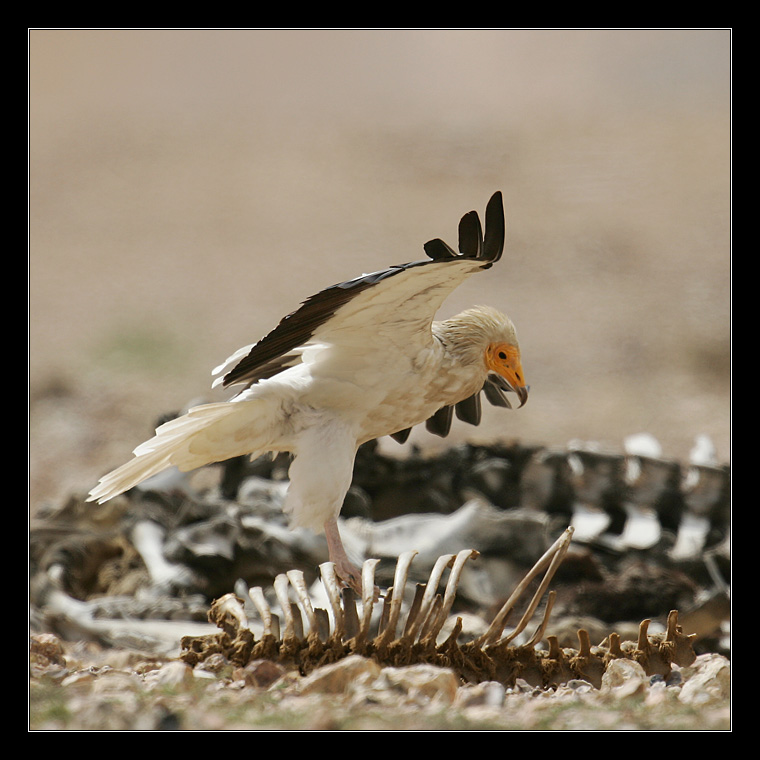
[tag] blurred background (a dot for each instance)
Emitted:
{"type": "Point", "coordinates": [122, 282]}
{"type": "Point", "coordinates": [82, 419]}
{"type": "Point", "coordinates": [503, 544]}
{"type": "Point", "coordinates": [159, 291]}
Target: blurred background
{"type": "Point", "coordinates": [187, 188]}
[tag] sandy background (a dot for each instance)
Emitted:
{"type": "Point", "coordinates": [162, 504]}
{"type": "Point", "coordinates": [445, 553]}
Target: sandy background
{"type": "Point", "coordinates": [188, 188]}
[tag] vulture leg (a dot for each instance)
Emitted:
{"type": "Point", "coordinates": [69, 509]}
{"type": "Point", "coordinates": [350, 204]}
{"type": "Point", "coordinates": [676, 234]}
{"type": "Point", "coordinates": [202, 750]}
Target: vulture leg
{"type": "Point", "coordinates": [349, 573]}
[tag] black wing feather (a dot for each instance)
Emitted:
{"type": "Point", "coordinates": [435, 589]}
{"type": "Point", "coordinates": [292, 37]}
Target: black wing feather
{"type": "Point", "coordinates": [440, 423]}
{"type": "Point", "coordinates": [273, 352]}
{"type": "Point", "coordinates": [471, 236]}
{"type": "Point", "coordinates": [495, 394]}
{"type": "Point", "coordinates": [493, 241]}
{"type": "Point", "coordinates": [469, 409]}
{"type": "Point", "coordinates": [438, 250]}
{"type": "Point", "coordinates": [402, 435]}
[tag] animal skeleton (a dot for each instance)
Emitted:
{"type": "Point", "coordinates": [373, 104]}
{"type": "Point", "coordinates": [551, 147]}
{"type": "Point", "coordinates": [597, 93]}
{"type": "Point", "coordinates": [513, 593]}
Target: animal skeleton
{"type": "Point", "coordinates": [307, 637]}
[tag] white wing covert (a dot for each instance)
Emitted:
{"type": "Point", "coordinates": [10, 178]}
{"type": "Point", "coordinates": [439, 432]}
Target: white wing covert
{"type": "Point", "coordinates": [395, 306]}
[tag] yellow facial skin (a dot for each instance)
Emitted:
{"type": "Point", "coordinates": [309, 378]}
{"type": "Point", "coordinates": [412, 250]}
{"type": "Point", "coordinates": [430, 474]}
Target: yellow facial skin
{"type": "Point", "coordinates": [504, 360]}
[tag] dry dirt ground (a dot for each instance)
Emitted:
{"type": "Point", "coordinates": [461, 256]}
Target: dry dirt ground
{"type": "Point", "coordinates": [190, 187]}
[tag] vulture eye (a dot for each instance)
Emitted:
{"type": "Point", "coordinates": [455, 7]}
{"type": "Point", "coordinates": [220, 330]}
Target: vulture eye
{"type": "Point", "coordinates": [502, 355]}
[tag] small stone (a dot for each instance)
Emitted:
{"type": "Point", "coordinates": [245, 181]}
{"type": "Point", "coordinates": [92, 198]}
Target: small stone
{"type": "Point", "coordinates": [707, 680]}
{"type": "Point", "coordinates": [338, 677]}
{"type": "Point", "coordinates": [173, 674]}
{"type": "Point", "coordinates": [115, 682]}
{"type": "Point", "coordinates": [659, 694]}
{"type": "Point", "coordinates": [579, 686]}
{"type": "Point", "coordinates": [423, 681]}
{"type": "Point", "coordinates": [79, 678]}
{"type": "Point", "coordinates": [624, 678]}
{"type": "Point", "coordinates": [217, 664]}
{"type": "Point", "coordinates": [47, 646]}
{"type": "Point", "coordinates": [485, 694]}
{"type": "Point", "coordinates": [46, 656]}
{"type": "Point", "coordinates": [522, 687]}
{"type": "Point", "coordinates": [260, 673]}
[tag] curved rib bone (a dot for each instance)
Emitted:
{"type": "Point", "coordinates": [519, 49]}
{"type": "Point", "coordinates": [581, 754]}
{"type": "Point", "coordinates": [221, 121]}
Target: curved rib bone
{"type": "Point", "coordinates": [281, 590]}
{"type": "Point", "coordinates": [271, 622]}
{"type": "Point", "coordinates": [552, 557]}
{"type": "Point", "coordinates": [429, 595]}
{"type": "Point", "coordinates": [397, 596]}
{"type": "Point", "coordinates": [304, 601]}
{"type": "Point", "coordinates": [450, 593]}
{"type": "Point", "coordinates": [541, 630]}
{"type": "Point", "coordinates": [332, 587]}
{"type": "Point", "coordinates": [368, 600]}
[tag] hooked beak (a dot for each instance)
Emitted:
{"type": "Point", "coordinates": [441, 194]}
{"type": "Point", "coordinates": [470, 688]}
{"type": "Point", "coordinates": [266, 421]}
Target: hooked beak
{"type": "Point", "coordinates": [503, 359]}
{"type": "Point", "coordinates": [507, 381]}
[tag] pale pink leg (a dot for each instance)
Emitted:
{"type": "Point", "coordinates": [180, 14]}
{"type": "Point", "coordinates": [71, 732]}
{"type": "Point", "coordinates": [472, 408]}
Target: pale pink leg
{"type": "Point", "coordinates": [344, 568]}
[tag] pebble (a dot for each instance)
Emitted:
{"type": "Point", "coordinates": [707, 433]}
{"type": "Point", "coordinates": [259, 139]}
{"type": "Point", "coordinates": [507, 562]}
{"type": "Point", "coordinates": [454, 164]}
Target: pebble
{"type": "Point", "coordinates": [486, 694]}
{"type": "Point", "coordinates": [338, 677]}
{"type": "Point", "coordinates": [624, 678]}
{"type": "Point", "coordinates": [708, 680]}
{"type": "Point", "coordinates": [174, 674]}
{"type": "Point", "coordinates": [260, 673]}
{"type": "Point", "coordinates": [420, 683]}
{"type": "Point", "coordinates": [104, 698]}
{"type": "Point", "coordinates": [46, 649]}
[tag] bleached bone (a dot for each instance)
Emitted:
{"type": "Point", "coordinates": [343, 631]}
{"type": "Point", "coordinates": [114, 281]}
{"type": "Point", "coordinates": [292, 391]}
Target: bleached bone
{"type": "Point", "coordinates": [397, 596]}
{"type": "Point", "coordinates": [541, 630]}
{"type": "Point", "coordinates": [491, 657]}
{"type": "Point", "coordinates": [270, 621]}
{"type": "Point", "coordinates": [79, 619]}
{"type": "Point", "coordinates": [332, 587]}
{"type": "Point", "coordinates": [303, 600]}
{"type": "Point", "coordinates": [450, 593]}
{"type": "Point", "coordinates": [430, 590]}
{"type": "Point", "coordinates": [368, 596]}
{"type": "Point", "coordinates": [149, 538]}
{"type": "Point", "coordinates": [552, 557]}
{"type": "Point", "coordinates": [293, 623]}
{"type": "Point", "coordinates": [429, 610]}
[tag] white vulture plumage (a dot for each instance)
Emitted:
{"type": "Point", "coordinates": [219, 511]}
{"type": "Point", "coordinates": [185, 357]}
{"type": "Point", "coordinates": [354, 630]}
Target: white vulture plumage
{"type": "Point", "coordinates": [359, 360]}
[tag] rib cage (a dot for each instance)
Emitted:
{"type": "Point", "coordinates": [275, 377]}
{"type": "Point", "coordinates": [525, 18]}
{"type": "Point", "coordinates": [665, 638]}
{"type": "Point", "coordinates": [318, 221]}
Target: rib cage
{"type": "Point", "coordinates": [304, 637]}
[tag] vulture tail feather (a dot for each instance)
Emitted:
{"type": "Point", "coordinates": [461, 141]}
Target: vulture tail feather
{"type": "Point", "coordinates": [205, 434]}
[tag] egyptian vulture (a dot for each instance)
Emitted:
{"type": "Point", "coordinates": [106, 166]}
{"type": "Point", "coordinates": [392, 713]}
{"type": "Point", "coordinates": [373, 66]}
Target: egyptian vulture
{"type": "Point", "coordinates": [358, 360]}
